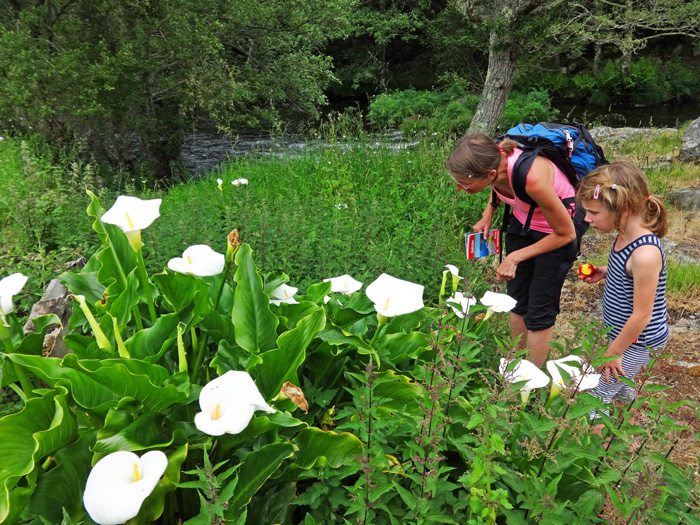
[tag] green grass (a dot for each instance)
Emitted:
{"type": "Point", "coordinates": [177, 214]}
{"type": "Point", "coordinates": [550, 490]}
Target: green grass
{"type": "Point", "coordinates": [403, 215]}
{"type": "Point", "coordinates": [683, 278]}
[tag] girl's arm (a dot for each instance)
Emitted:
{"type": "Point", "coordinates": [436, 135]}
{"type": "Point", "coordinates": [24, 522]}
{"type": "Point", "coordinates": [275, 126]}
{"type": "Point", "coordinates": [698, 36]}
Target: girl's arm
{"type": "Point", "coordinates": [539, 186]}
{"type": "Point", "coordinates": [645, 265]}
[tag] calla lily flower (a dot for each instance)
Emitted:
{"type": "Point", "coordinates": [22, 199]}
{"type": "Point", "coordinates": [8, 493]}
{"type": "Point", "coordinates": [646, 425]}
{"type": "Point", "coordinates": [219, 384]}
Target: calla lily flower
{"type": "Point", "coordinates": [392, 296]}
{"type": "Point", "coordinates": [464, 303]}
{"type": "Point", "coordinates": [240, 182]}
{"type": "Point", "coordinates": [228, 403]}
{"type": "Point", "coordinates": [283, 294]}
{"type": "Point", "coordinates": [219, 182]}
{"type": "Point", "coordinates": [497, 302]}
{"type": "Point", "coordinates": [524, 371]}
{"type": "Point", "coordinates": [344, 284]}
{"type": "Point", "coordinates": [132, 215]}
{"type": "Point", "coordinates": [199, 260]}
{"type": "Point", "coordinates": [9, 287]}
{"type": "Point", "coordinates": [100, 336]}
{"type": "Point", "coordinates": [451, 268]}
{"type": "Point", "coordinates": [581, 375]}
{"type": "Point", "coordinates": [118, 484]}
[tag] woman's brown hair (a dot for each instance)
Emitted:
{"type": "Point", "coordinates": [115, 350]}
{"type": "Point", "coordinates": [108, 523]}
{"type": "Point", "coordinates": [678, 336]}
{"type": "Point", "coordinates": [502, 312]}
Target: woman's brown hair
{"type": "Point", "coordinates": [475, 156]}
{"type": "Point", "coordinates": [621, 187]}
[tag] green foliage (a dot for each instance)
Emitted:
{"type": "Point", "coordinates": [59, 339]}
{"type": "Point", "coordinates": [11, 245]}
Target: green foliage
{"type": "Point", "coordinates": [451, 110]}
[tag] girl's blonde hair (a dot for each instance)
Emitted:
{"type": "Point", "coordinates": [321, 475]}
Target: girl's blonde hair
{"type": "Point", "coordinates": [621, 187]}
{"type": "Point", "coordinates": [475, 156]}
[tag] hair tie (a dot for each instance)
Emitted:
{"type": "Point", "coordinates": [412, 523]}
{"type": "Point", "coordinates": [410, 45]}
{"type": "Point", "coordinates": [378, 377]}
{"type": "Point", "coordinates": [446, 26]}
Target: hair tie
{"type": "Point", "coordinates": [614, 186]}
{"type": "Point", "coordinates": [596, 192]}
{"type": "Point", "coordinates": [499, 147]}
{"type": "Point", "coordinates": [649, 196]}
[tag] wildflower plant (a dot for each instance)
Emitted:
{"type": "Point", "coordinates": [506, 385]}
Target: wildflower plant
{"type": "Point", "coordinates": [268, 404]}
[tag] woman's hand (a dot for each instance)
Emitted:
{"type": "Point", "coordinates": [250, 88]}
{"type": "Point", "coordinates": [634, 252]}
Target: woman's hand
{"type": "Point", "coordinates": [483, 226]}
{"type": "Point", "coordinates": [614, 367]}
{"type": "Point", "coordinates": [506, 270]}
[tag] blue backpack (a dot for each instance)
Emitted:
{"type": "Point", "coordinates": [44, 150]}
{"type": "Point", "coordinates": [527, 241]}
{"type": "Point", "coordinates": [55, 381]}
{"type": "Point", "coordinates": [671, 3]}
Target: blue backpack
{"type": "Point", "coordinates": [569, 146]}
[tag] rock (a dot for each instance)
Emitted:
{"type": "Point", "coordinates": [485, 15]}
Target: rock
{"type": "Point", "coordinates": [690, 151]}
{"type": "Point", "coordinates": [52, 302]}
{"type": "Point", "coordinates": [686, 198]}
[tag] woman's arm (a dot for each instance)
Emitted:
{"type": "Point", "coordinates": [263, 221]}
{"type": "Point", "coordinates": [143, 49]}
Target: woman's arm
{"type": "Point", "coordinates": [539, 186]}
{"type": "Point", "coordinates": [645, 265]}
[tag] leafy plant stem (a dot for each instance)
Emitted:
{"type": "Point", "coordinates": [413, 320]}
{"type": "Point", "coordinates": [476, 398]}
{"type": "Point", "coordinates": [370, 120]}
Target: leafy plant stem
{"type": "Point", "coordinates": [454, 375]}
{"type": "Point", "coordinates": [146, 285]}
{"type": "Point", "coordinates": [200, 358]}
{"type": "Point", "coordinates": [23, 380]}
{"type": "Point", "coordinates": [137, 317]}
{"type": "Point", "coordinates": [516, 432]}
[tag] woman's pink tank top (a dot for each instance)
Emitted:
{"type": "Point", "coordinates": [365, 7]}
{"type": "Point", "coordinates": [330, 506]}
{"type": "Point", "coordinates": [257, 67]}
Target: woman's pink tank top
{"type": "Point", "coordinates": [562, 187]}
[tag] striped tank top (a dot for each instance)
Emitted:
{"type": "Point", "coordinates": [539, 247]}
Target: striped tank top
{"type": "Point", "coordinates": [619, 293]}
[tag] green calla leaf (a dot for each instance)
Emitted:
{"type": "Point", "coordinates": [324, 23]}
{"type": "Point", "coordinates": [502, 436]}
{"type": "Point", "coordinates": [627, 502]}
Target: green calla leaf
{"type": "Point", "coordinates": [316, 292]}
{"type": "Point", "coordinates": [336, 449]}
{"type": "Point", "coordinates": [99, 385]}
{"type": "Point", "coordinates": [84, 283]}
{"type": "Point", "coordinates": [180, 289]}
{"type": "Point", "coordinates": [398, 348]}
{"type": "Point", "coordinates": [121, 305]}
{"type": "Point", "coordinates": [399, 393]}
{"type": "Point", "coordinates": [149, 344]}
{"type": "Point", "coordinates": [129, 433]}
{"type": "Point", "coordinates": [255, 324]}
{"type": "Point", "coordinates": [44, 426]}
{"type": "Point", "coordinates": [256, 468]}
{"type": "Point", "coordinates": [233, 357]}
{"type": "Point", "coordinates": [281, 364]}
{"type": "Point", "coordinates": [62, 487]}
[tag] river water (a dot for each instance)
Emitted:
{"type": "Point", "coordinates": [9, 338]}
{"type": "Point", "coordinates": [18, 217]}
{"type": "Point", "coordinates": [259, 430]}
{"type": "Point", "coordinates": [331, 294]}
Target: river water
{"type": "Point", "coordinates": [204, 152]}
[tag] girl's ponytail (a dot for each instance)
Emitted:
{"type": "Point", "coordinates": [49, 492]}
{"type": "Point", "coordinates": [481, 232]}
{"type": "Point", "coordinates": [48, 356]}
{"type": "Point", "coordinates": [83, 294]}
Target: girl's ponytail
{"type": "Point", "coordinates": [655, 215]}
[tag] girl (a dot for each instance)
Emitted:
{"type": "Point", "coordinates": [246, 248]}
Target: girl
{"type": "Point", "coordinates": [617, 197]}
{"type": "Point", "coordinates": [538, 259]}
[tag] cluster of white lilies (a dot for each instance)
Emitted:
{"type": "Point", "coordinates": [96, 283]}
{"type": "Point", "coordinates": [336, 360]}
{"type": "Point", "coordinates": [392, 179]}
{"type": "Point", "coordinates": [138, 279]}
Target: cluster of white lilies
{"type": "Point", "coordinates": [236, 182]}
{"type": "Point", "coordinates": [120, 482]}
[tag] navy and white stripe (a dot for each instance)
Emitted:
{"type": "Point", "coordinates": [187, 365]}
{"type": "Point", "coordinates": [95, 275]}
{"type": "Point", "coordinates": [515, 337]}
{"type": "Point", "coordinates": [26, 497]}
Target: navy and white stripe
{"type": "Point", "coordinates": [618, 300]}
{"type": "Point", "coordinates": [619, 294]}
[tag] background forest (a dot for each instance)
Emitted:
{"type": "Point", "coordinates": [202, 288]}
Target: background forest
{"type": "Point", "coordinates": [122, 82]}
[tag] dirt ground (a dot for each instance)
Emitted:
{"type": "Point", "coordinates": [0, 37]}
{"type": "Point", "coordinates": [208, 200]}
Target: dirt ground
{"type": "Point", "coordinates": [681, 369]}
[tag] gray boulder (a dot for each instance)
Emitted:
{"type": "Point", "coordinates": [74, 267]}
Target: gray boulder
{"type": "Point", "coordinates": [690, 151]}
{"type": "Point", "coordinates": [686, 198]}
{"type": "Point", "coordinates": [52, 302]}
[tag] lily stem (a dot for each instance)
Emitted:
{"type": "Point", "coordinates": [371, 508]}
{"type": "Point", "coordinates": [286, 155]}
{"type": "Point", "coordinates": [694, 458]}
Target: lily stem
{"type": "Point", "coordinates": [146, 286]}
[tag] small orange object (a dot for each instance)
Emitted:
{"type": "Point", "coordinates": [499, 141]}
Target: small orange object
{"type": "Point", "coordinates": [586, 270]}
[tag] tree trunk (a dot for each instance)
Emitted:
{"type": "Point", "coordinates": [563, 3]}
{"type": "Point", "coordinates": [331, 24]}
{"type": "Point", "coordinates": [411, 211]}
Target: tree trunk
{"type": "Point", "coordinates": [503, 57]}
{"type": "Point", "coordinates": [597, 59]}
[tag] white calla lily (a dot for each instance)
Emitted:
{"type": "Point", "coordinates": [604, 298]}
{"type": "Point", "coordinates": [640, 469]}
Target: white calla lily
{"type": "Point", "coordinates": [344, 284]}
{"type": "Point", "coordinates": [524, 371]}
{"type": "Point", "coordinates": [119, 483]}
{"type": "Point", "coordinates": [240, 182]}
{"type": "Point", "coordinates": [392, 296]}
{"type": "Point", "coordinates": [497, 302]}
{"type": "Point", "coordinates": [582, 376]}
{"type": "Point", "coordinates": [198, 260]}
{"type": "Point", "coordinates": [228, 403]}
{"type": "Point", "coordinates": [453, 270]}
{"type": "Point", "coordinates": [464, 302]}
{"type": "Point", "coordinates": [9, 287]}
{"type": "Point", "coordinates": [132, 215]}
{"type": "Point", "coordinates": [283, 294]}
{"type": "Point", "coordinates": [219, 182]}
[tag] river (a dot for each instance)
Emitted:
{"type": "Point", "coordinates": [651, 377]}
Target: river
{"type": "Point", "coordinates": [204, 152]}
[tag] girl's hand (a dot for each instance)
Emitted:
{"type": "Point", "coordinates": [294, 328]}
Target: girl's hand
{"type": "Point", "coordinates": [596, 276]}
{"type": "Point", "coordinates": [614, 367]}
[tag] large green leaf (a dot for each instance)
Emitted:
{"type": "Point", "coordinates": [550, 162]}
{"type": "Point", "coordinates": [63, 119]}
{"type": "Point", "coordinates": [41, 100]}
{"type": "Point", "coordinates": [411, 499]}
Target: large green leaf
{"type": "Point", "coordinates": [83, 283]}
{"type": "Point", "coordinates": [336, 449]}
{"type": "Point", "coordinates": [124, 431]}
{"type": "Point", "coordinates": [44, 426]}
{"type": "Point", "coordinates": [281, 364]}
{"type": "Point", "coordinates": [398, 348]}
{"type": "Point", "coordinates": [233, 357]}
{"type": "Point", "coordinates": [149, 344]}
{"type": "Point", "coordinates": [257, 467]}
{"type": "Point", "coordinates": [398, 393]}
{"type": "Point", "coordinates": [62, 486]}
{"type": "Point", "coordinates": [99, 385]}
{"type": "Point", "coordinates": [180, 289]}
{"type": "Point", "coordinates": [120, 306]}
{"type": "Point", "coordinates": [255, 324]}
